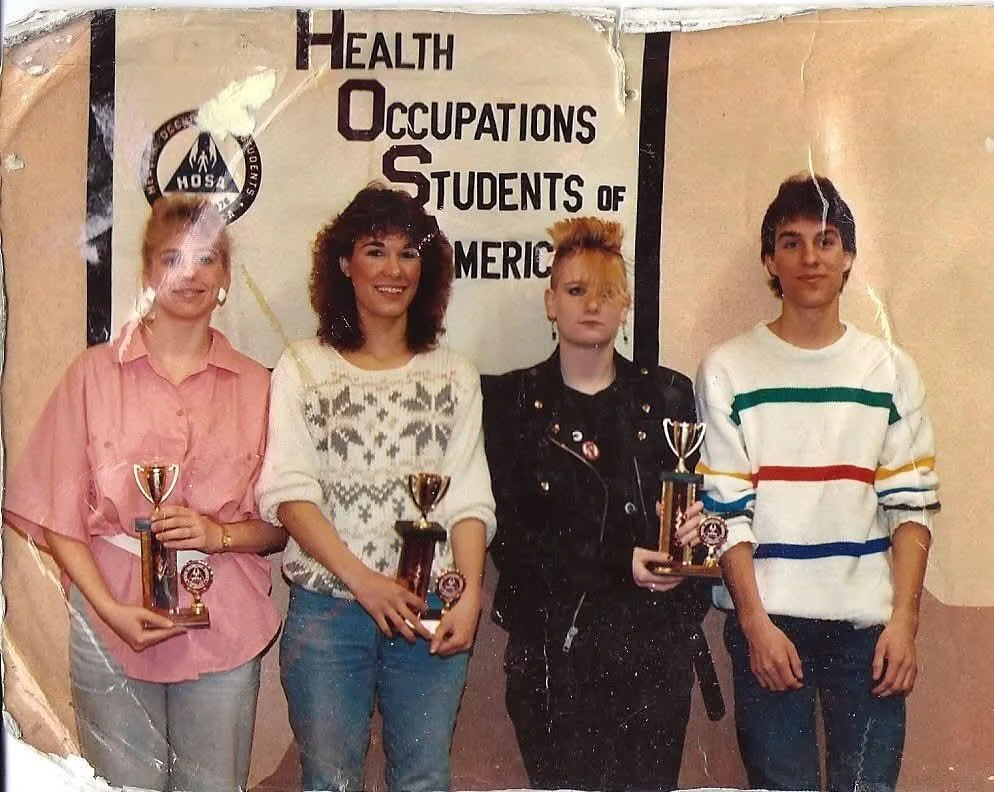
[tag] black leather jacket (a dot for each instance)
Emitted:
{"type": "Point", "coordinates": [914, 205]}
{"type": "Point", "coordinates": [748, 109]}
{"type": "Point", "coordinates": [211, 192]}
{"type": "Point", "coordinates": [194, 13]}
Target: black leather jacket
{"type": "Point", "coordinates": [567, 523]}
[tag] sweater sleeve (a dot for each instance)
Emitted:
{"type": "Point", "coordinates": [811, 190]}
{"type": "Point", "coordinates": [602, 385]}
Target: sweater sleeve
{"type": "Point", "coordinates": [291, 467]}
{"type": "Point", "coordinates": [470, 494]}
{"type": "Point", "coordinates": [729, 490]}
{"type": "Point", "coordinates": [906, 482]}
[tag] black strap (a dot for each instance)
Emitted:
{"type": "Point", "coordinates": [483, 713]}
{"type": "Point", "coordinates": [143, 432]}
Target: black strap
{"type": "Point", "coordinates": [707, 677]}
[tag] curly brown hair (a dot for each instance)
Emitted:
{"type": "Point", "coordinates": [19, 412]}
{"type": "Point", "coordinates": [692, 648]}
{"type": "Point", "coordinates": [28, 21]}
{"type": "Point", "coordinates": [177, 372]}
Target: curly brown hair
{"type": "Point", "coordinates": [377, 211]}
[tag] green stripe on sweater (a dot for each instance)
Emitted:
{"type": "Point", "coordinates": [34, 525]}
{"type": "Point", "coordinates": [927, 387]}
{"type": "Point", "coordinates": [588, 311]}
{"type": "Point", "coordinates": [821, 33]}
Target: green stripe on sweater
{"type": "Point", "coordinates": [744, 401]}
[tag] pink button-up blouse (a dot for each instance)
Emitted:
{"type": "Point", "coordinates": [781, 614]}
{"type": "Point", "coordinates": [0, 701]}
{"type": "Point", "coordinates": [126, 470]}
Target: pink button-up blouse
{"type": "Point", "coordinates": [114, 408]}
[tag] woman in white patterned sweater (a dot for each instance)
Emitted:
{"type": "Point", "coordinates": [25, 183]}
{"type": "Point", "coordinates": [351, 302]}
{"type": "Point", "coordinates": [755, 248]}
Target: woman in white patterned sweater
{"type": "Point", "coordinates": [354, 411]}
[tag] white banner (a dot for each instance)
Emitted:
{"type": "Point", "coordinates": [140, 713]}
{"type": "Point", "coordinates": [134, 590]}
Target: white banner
{"type": "Point", "coordinates": [501, 125]}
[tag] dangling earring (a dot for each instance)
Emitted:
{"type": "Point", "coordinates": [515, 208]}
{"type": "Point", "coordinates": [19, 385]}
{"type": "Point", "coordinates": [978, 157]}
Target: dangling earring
{"type": "Point", "coordinates": [624, 331]}
{"type": "Point", "coordinates": [144, 301]}
{"type": "Point", "coordinates": [552, 326]}
{"type": "Point", "coordinates": [222, 296]}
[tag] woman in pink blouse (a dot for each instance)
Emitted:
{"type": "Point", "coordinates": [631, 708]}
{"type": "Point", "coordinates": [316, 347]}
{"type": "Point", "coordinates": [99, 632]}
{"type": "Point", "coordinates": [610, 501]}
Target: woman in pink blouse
{"type": "Point", "coordinates": [159, 706]}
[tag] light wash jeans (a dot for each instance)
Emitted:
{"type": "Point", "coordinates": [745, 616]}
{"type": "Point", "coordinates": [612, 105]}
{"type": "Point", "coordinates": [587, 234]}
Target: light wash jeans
{"type": "Point", "coordinates": [335, 664]}
{"type": "Point", "coordinates": [193, 736]}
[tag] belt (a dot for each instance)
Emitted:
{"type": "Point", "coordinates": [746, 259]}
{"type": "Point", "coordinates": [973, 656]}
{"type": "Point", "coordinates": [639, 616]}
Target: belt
{"type": "Point", "coordinates": [134, 546]}
{"type": "Point", "coordinates": [707, 677]}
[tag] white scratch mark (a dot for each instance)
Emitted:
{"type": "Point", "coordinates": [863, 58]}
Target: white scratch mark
{"type": "Point", "coordinates": [13, 162]}
{"type": "Point", "coordinates": [881, 316]}
{"type": "Point", "coordinates": [811, 49]}
{"type": "Point", "coordinates": [621, 67]}
{"type": "Point", "coordinates": [35, 69]}
{"type": "Point", "coordinates": [704, 757]}
{"type": "Point", "coordinates": [231, 112]}
{"type": "Point", "coordinates": [989, 145]}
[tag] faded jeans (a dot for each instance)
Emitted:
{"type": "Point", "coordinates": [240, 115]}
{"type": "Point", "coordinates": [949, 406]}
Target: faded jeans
{"type": "Point", "coordinates": [193, 736]}
{"type": "Point", "coordinates": [335, 663]}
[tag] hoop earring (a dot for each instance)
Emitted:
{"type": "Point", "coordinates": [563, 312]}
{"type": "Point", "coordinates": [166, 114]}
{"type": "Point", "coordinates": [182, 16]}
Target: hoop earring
{"type": "Point", "coordinates": [552, 326]}
{"type": "Point", "coordinates": [222, 296]}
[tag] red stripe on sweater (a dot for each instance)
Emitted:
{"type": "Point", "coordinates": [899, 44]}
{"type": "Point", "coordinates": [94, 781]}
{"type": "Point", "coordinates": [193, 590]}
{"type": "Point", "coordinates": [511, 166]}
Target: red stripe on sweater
{"type": "Point", "coordinates": [827, 473]}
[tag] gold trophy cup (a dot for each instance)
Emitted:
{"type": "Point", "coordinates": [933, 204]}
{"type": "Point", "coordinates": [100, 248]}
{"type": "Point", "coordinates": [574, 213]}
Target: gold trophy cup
{"type": "Point", "coordinates": [417, 552]}
{"type": "Point", "coordinates": [159, 578]}
{"type": "Point", "coordinates": [679, 491]}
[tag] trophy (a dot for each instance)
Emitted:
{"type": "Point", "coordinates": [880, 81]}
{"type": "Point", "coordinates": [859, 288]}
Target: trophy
{"type": "Point", "coordinates": [678, 494]}
{"type": "Point", "coordinates": [418, 550]}
{"type": "Point", "coordinates": [159, 578]}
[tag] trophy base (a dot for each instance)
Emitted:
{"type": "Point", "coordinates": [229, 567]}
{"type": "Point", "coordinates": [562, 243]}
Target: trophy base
{"type": "Point", "coordinates": [429, 531]}
{"type": "Point", "coordinates": [677, 569]}
{"type": "Point", "coordinates": [188, 617]}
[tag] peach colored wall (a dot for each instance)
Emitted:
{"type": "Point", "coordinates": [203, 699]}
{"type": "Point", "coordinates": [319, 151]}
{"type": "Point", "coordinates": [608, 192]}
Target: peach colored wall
{"type": "Point", "coordinates": [894, 105]}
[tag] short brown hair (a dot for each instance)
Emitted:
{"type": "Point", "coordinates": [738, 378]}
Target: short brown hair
{"type": "Point", "coordinates": [185, 210]}
{"type": "Point", "coordinates": [811, 197]}
{"type": "Point", "coordinates": [378, 210]}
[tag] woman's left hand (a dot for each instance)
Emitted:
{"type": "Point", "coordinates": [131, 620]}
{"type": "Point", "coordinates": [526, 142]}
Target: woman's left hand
{"type": "Point", "coordinates": [458, 626]}
{"type": "Point", "coordinates": [180, 528]}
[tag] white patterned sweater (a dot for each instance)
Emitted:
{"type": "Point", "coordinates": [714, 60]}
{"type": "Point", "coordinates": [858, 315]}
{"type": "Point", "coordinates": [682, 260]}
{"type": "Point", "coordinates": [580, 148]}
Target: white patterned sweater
{"type": "Point", "coordinates": [346, 439]}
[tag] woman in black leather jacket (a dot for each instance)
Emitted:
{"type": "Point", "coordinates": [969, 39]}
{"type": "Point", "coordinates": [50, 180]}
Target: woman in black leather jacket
{"type": "Point", "coordinates": [601, 651]}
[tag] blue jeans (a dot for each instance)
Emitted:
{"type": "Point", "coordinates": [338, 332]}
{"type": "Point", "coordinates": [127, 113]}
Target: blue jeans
{"type": "Point", "coordinates": [335, 664]}
{"type": "Point", "coordinates": [864, 734]}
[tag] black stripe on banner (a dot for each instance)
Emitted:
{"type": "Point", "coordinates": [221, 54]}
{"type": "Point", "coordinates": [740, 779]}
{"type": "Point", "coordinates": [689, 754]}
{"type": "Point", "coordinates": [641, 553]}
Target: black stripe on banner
{"type": "Point", "coordinates": [100, 177]}
{"type": "Point", "coordinates": [649, 209]}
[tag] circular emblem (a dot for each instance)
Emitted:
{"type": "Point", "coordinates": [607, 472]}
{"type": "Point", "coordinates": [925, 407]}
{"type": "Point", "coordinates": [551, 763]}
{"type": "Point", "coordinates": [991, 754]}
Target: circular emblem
{"type": "Point", "coordinates": [590, 451]}
{"type": "Point", "coordinates": [713, 530]}
{"type": "Point", "coordinates": [449, 586]}
{"type": "Point", "coordinates": [202, 168]}
{"type": "Point", "coordinates": [196, 577]}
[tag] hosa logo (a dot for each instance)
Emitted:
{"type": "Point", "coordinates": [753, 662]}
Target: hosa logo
{"type": "Point", "coordinates": [189, 159]}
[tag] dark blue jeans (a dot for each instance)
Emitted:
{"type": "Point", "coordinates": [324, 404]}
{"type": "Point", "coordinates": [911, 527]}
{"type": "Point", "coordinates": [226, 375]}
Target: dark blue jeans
{"type": "Point", "coordinates": [334, 664]}
{"type": "Point", "coordinates": [864, 733]}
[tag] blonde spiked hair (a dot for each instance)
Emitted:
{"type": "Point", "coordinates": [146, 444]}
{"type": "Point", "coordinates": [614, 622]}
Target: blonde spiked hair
{"type": "Point", "coordinates": [598, 242]}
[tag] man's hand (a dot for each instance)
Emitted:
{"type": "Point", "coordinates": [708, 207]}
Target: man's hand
{"type": "Point", "coordinates": [391, 605]}
{"type": "Point", "coordinates": [458, 626]}
{"type": "Point", "coordinates": [773, 657]}
{"type": "Point", "coordinates": [895, 662]}
{"type": "Point", "coordinates": [644, 577]}
{"type": "Point", "coordinates": [180, 528]}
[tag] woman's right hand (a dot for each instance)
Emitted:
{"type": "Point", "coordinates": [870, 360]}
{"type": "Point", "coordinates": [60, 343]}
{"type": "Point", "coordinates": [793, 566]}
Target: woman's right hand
{"type": "Point", "coordinates": [139, 627]}
{"type": "Point", "coordinates": [392, 606]}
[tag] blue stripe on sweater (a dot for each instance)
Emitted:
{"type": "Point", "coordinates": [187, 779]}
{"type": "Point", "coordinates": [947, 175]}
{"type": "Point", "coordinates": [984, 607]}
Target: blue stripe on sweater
{"type": "Point", "coordinates": [720, 507]}
{"type": "Point", "coordinates": [885, 493]}
{"type": "Point", "coordinates": [824, 550]}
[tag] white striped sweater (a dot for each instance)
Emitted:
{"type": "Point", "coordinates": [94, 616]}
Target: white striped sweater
{"type": "Point", "coordinates": [815, 457]}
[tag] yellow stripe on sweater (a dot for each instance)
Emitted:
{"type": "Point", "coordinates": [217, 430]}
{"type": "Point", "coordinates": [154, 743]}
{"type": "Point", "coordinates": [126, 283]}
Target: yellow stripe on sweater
{"type": "Point", "coordinates": [705, 470]}
{"type": "Point", "coordinates": [923, 462]}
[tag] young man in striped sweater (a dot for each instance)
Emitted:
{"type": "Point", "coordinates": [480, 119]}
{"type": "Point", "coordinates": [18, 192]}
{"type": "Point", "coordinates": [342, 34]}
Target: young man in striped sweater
{"type": "Point", "coordinates": [821, 458]}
